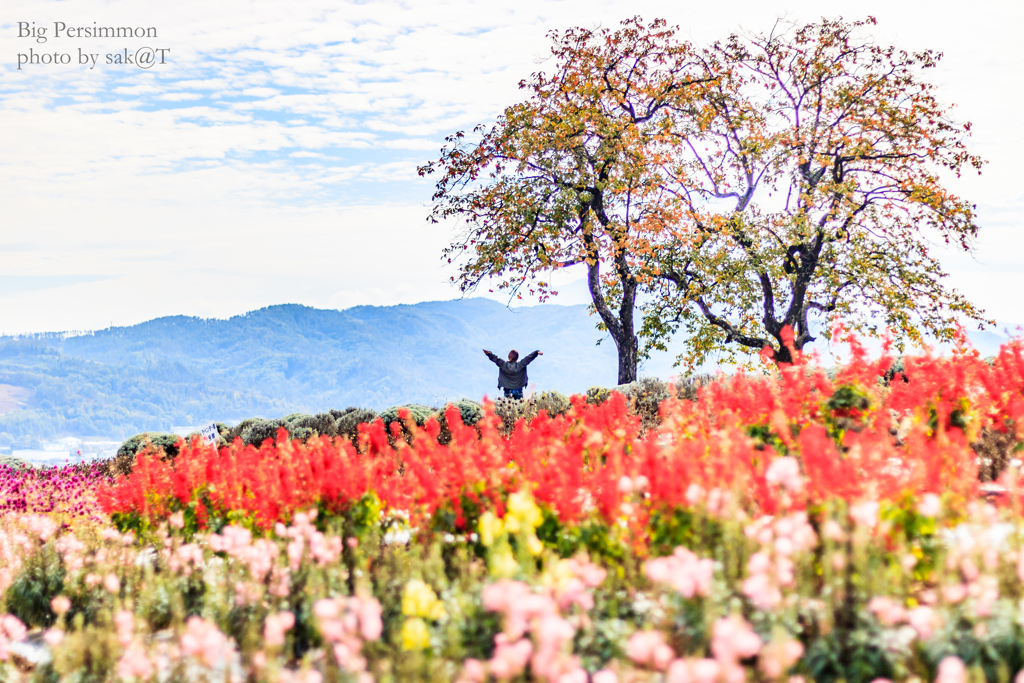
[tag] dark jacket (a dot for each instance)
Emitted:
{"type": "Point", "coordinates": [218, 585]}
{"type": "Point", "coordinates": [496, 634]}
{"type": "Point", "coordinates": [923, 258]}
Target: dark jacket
{"type": "Point", "coordinates": [512, 375]}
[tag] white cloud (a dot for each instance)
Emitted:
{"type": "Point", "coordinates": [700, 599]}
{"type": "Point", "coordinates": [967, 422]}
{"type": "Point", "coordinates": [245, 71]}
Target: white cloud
{"type": "Point", "coordinates": [349, 98]}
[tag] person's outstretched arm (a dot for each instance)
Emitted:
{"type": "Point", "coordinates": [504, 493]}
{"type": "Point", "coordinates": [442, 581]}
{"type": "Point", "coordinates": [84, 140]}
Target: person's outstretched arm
{"type": "Point", "coordinates": [529, 358]}
{"type": "Point", "coordinates": [494, 359]}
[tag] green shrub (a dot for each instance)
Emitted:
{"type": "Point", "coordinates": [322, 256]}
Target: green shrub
{"type": "Point", "coordinates": [418, 412]}
{"type": "Point", "coordinates": [40, 580]}
{"type": "Point", "coordinates": [553, 402]}
{"type": "Point", "coordinates": [995, 449]}
{"type": "Point", "coordinates": [259, 430]}
{"type": "Point", "coordinates": [645, 396]}
{"type": "Point", "coordinates": [349, 420]}
{"type": "Point", "coordinates": [323, 424]}
{"type": "Point", "coordinates": [124, 460]}
{"type": "Point", "coordinates": [509, 410]}
{"type": "Point", "coordinates": [12, 462]}
{"type": "Point", "coordinates": [471, 412]}
{"type": "Point", "coordinates": [597, 395]}
{"type": "Point", "coordinates": [240, 428]}
{"type": "Point", "coordinates": [687, 387]}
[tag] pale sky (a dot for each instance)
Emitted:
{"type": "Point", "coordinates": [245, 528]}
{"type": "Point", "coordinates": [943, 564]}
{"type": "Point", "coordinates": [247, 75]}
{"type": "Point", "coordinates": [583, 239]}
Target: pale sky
{"type": "Point", "coordinates": [271, 158]}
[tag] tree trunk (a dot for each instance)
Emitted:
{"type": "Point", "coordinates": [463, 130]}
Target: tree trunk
{"type": "Point", "coordinates": [628, 358]}
{"type": "Point", "coordinates": [620, 326]}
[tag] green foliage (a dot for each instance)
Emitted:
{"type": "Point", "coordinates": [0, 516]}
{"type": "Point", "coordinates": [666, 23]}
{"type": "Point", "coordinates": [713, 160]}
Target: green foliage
{"type": "Point", "coordinates": [509, 410]}
{"type": "Point", "coordinates": [860, 659]}
{"type": "Point", "coordinates": [124, 460]}
{"type": "Point", "coordinates": [259, 430]}
{"type": "Point", "coordinates": [553, 402]}
{"type": "Point", "coordinates": [477, 631]}
{"type": "Point", "coordinates": [322, 424]}
{"type": "Point", "coordinates": [348, 422]}
{"type": "Point", "coordinates": [683, 527]}
{"type": "Point", "coordinates": [687, 387]}
{"type": "Point", "coordinates": [418, 413]}
{"type": "Point", "coordinates": [995, 449]}
{"type": "Point", "coordinates": [471, 412]}
{"type": "Point", "coordinates": [645, 396]}
{"type": "Point", "coordinates": [597, 395]}
{"type": "Point", "coordinates": [9, 461]}
{"type": "Point", "coordinates": [40, 580]}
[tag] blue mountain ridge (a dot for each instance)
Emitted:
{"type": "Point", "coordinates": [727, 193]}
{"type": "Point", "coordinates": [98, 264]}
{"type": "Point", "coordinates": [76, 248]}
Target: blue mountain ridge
{"type": "Point", "coordinates": [289, 358]}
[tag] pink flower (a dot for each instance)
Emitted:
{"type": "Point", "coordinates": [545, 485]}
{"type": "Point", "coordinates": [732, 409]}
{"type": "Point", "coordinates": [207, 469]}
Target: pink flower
{"type": "Point", "coordinates": [112, 583]}
{"type": "Point", "coordinates": [705, 670]}
{"type": "Point", "coordinates": [779, 656]}
{"type": "Point", "coordinates": [473, 670]}
{"type": "Point", "coordinates": [694, 494]}
{"type": "Point", "coordinates": [370, 624]}
{"type": "Point", "coordinates": [125, 622]}
{"type": "Point", "coordinates": [326, 608]}
{"type": "Point", "coordinates": [832, 531]}
{"type": "Point", "coordinates": [641, 646]}
{"type": "Point", "coordinates": [922, 619]}
{"type": "Point", "coordinates": [733, 639]}
{"type": "Point", "coordinates": [865, 514]}
{"type": "Point", "coordinates": [930, 505]}
{"type": "Point", "coordinates": [577, 675]}
{"type": "Point", "coordinates": [53, 636]}
{"type": "Point", "coordinates": [500, 596]}
{"type": "Point", "coordinates": [761, 592]}
{"type": "Point", "coordinates": [954, 593]}
{"type": "Point", "coordinates": [951, 670]}
{"type": "Point", "coordinates": [202, 639]}
{"type": "Point", "coordinates": [509, 658]}
{"type": "Point", "coordinates": [678, 672]}
{"type": "Point", "coordinates": [605, 676]}
{"type": "Point", "coordinates": [684, 571]}
{"type": "Point", "coordinates": [759, 563]}
{"type": "Point", "coordinates": [786, 472]}
{"type": "Point", "coordinates": [888, 611]}
{"type": "Point", "coordinates": [60, 604]}
{"type": "Point", "coordinates": [13, 627]}
{"type": "Point", "coordinates": [134, 663]}
{"type": "Point", "coordinates": [275, 626]}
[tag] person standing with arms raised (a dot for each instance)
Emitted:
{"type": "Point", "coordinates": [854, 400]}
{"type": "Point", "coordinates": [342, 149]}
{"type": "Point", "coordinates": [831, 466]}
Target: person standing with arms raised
{"type": "Point", "coordinates": [512, 372]}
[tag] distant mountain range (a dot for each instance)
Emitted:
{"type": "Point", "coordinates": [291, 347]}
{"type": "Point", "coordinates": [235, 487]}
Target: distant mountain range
{"type": "Point", "coordinates": [290, 358]}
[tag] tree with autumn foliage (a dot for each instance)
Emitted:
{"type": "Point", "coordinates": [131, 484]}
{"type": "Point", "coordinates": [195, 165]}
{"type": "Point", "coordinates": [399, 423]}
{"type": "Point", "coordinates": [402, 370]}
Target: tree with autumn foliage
{"type": "Point", "coordinates": [576, 174]}
{"type": "Point", "coordinates": [814, 186]}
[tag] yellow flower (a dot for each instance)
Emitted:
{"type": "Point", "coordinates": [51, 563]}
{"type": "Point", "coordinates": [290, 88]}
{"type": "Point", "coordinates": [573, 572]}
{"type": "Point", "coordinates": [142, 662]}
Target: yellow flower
{"type": "Point", "coordinates": [534, 545]}
{"type": "Point", "coordinates": [523, 513]}
{"type": "Point", "coordinates": [558, 575]}
{"type": "Point", "coordinates": [503, 565]}
{"type": "Point", "coordinates": [490, 528]}
{"type": "Point", "coordinates": [420, 600]}
{"type": "Point", "coordinates": [415, 635]}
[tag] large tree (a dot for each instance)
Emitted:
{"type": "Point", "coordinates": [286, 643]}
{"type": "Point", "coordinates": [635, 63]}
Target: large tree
{"type": "Point", "coordinates": [575, 175]}
{"type": "Point", "coordinates": [814, 186]}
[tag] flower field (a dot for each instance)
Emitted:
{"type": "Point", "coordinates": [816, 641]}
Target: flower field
{"type": "Point", "coordinates": [797, 527]}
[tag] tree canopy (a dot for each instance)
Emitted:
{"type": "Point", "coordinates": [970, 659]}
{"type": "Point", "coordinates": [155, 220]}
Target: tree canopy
{"type": "Point", "coordinates": [815, 185]}
{"type": "Point", "coordinates": [730, 190]}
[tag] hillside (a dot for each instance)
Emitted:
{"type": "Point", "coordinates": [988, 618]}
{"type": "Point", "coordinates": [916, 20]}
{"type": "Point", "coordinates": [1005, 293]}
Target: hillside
{"type": "Point", "coordinates": [180, 371]}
